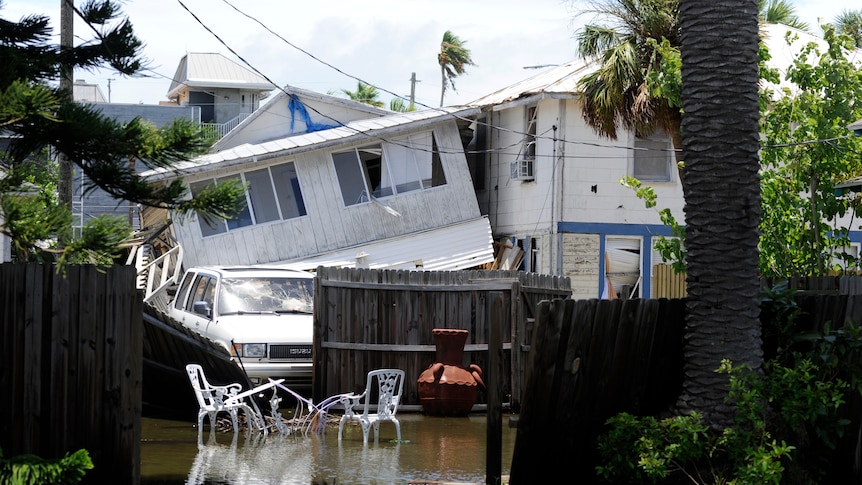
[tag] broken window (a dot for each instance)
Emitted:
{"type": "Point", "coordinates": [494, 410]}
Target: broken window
{"type": "Point", "coordinates": [405, 165]}
{"type": "Point", "coordinates": [622, 267]}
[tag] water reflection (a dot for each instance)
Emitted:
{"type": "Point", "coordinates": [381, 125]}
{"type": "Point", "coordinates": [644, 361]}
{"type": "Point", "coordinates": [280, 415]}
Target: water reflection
{"type": "Point", "coordinates": [433, 448]}
{"type": "Point", "coordinates": [271, 460]}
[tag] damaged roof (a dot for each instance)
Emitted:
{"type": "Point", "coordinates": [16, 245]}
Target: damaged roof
{"type": "Point", "coordinates": [558, 81]}
{"type": "Point", "coordinates": [367, 128]}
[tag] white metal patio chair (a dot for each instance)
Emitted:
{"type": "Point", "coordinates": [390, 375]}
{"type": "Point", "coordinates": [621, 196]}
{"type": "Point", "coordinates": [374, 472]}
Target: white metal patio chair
{"type": "Point", "coordinates": [389, 383]}
{"type": "Point", "coordinates": [216, 399]}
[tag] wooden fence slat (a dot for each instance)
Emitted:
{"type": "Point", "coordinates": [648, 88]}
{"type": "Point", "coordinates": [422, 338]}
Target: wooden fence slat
{"type": "Point", "coordinates": [72, 376]}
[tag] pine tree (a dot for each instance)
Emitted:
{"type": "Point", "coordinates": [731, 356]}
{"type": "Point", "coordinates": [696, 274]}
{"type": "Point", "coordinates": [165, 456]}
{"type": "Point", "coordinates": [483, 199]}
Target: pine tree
{"type": "Point", "coordinates": [41, 121]}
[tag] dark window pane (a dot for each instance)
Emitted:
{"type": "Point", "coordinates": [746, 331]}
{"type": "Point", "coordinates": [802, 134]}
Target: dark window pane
{"type": "Point", "coordinates": [209, 225]}
{"type": "Point", "coordinates": [244, 217]}
{"type": "Point", "coordinates": [350, 178]}
{"type": "Point", "coordinates": [262, 197]}
{"type": "Point", "coordinates": [287, 191]}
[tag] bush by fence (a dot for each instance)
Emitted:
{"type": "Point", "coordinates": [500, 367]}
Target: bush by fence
{"type": "Point", "coordinates": [593, 359]}
{"type": "Point", "coordinates": [70, 366]}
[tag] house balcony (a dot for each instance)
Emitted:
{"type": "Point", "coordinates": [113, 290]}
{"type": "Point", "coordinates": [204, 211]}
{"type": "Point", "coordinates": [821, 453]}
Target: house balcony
{"type": "Point", "coordinates": [222, 129]}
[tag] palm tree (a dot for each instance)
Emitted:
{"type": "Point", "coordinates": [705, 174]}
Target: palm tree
{"type": "Point", "coordinates": [722, 197]}
{"type": "Point", "coordinates": [454, 59]}
{"type": "Point", "coordinates": [627, 51]}
{"type": "Point", "coordinates": [365, 93]}
{"type": "Point", "coordinates": [780, 12]}
{"type": "Point", "coordinates": [849, 22]}
{"type": "Point", "coordinates": [399, 105]}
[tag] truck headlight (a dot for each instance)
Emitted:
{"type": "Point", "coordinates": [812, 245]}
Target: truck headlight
{"type": "Point", "coordinates": [250, 350]}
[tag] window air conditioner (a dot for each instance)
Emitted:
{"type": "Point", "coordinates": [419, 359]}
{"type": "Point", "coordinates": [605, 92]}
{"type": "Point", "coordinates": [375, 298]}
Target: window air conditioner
{"type": "Point", "coordinates": [522, 169]}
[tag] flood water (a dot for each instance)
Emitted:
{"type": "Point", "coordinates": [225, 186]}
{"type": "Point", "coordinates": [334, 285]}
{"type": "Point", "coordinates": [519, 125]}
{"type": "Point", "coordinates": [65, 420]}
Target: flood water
{"type": "Point", "coordinates": [431, 449]}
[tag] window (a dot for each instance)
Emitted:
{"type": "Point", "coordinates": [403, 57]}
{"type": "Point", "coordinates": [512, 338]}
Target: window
{"type": "Point", "coordinates": [622, 266]}
{"type": "Point", "coordinates": [209, 225]}
{"type": "Point", "coordinates": [181, 294]}
{"type": "Point", "coordinates": [406, 165]}
{"type": "Point", "coordinates": [273, 194]}
{"type": "Point", "coordinates": [243, 218]}
{"type": "Point", "coordinates": [350, 179]}
{"type": "Point", "coordinates": [530, 139]}
{"type": "Point", "coordinates": [415, 163]}
{"type": "Point", "coordinates": [202, 290]}
{"type": "Point", "coordinates": [287, 191]}
{"type": "Point", "coordinates": [523, 168]}
{"type": "Point", "coordinates": [653, 157]}
{"type": "Point", "coordinates": [262, 196]}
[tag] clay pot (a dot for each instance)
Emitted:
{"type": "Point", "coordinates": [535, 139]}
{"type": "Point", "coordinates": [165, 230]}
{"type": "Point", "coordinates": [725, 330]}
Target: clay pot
{"type": "Point", "coordinates": [446, 387]}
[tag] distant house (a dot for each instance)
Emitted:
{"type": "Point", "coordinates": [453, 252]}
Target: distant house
{"type": "Point", "coordinates": [337, 183]}
{"type": "Point", "coordinates": [551, 186]}
{"type": "Point", "coordinates": [225, 91]}
{"type": "Point", "coordinates": [87, 93]}
{"type": "Point", "coordinates": [207, 88]}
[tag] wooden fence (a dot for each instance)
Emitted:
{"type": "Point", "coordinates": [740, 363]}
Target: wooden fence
{"type": "Point", "coordinates": [70, 366]}
{"type": "Point", "coordinates": [593, 359]}
{"type": "Point", "coordinates": [667, 284]}
{"type": "Point", "coordinates": [366, 319]}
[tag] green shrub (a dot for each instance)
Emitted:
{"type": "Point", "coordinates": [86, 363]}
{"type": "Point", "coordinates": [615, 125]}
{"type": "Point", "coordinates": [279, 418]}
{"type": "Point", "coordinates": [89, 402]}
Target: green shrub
{"type": "Point", "coordinates": [33, 470]}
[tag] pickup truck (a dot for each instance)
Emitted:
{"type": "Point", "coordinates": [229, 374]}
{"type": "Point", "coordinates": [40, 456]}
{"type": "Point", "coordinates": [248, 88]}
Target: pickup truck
{"type": "Point", "coordinates": [261, 315]}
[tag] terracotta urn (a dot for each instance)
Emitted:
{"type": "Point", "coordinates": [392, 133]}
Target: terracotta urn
{"type": "Point", "coordinates": [446, 387]}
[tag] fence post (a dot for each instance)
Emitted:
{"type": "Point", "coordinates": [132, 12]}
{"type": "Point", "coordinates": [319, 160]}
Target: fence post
{"type": "Point", "coordinates": [494, 429]}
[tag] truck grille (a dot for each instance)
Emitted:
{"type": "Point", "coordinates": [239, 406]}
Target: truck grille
{"type": "Point", "coordinates": [290, 352]}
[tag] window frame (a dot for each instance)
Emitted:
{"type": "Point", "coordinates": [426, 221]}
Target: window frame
{"type": "Point", "coordinates": [249, 216]}
{"type": "Point", "coordinates": [658, 142]}
{"type": "Point", "coordinates": [381, 177]}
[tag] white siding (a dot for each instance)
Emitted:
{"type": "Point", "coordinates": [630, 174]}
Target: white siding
{"type": "Point", "coordinates": [330, 225]}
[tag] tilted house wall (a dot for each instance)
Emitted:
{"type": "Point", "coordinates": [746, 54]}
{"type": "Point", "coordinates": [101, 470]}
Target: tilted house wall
{"type": "Point", "coordinates": [435, 226]}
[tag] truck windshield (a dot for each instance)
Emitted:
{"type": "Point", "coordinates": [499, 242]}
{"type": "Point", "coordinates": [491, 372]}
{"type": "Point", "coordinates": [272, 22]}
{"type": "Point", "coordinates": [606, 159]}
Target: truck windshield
{"type": "Point", "coordinates": [275, 295]}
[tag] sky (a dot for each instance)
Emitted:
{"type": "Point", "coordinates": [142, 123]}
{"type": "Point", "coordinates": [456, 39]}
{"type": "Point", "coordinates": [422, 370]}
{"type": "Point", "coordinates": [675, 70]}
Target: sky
{"type": "Point", "coordinates": [329, 45]}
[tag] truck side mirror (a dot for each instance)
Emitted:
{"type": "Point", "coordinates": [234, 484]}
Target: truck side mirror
{"type": "Point", "coordinates": [203, 308]}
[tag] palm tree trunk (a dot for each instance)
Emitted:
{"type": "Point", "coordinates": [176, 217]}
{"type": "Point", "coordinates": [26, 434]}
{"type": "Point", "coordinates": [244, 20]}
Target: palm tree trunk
{"type": "Point", "coordinates": [719, 42]}
{"type": "Point", "coordinates": [443, 84]}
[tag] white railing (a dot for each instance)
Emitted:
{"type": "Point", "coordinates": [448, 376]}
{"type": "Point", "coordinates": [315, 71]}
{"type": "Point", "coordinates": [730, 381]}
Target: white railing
{"type": "Point", "coordinates": [162, 272]}
{"type": "Point", "coordinates": [224, 128]}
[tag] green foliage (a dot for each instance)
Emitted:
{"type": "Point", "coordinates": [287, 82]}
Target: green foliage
{"type": "Point", "coordinates": [33, 470]}
{"type": "Point", "coordinates": [670, 248]}
{"type": "Point", "coordinates": [100, 242]}
{"type": "Point", "coordinates": [665, 81]}
{"type": "Point", "coordinates": [398, 104]}
{"type": "Point", "coordinates": [634, 85]}
{"type": "Point", "coordinates": [365, 93]}
{"type": "Point", "coordinates": [808, 150]}
{"type": "Point", "coordinates": [790, 417]}
{"type": "Point", "coordinates": [454, 57]}
{"type": "Point", "coordinates": [41, 119]}
{"type": "Point", "coordinates": [648, 450]}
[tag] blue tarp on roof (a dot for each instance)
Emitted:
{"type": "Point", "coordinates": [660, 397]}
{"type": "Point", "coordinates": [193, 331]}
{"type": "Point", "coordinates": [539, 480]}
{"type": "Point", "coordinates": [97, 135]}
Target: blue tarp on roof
{"type": "Point", "coordinates": [296, 107]}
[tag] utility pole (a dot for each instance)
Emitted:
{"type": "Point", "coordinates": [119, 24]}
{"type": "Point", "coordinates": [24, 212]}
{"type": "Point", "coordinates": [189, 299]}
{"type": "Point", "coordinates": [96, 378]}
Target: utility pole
{"type": "Point", "coordinates": [413, 82]}
{"type": "Point", "coordinates": [64, 184]}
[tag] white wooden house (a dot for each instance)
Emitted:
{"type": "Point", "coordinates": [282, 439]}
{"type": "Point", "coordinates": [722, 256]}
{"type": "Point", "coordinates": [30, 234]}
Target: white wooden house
{"type": "Point", "coordinates": [335, 183]}
{"type": "Point", "coordinates": [551, 186]}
